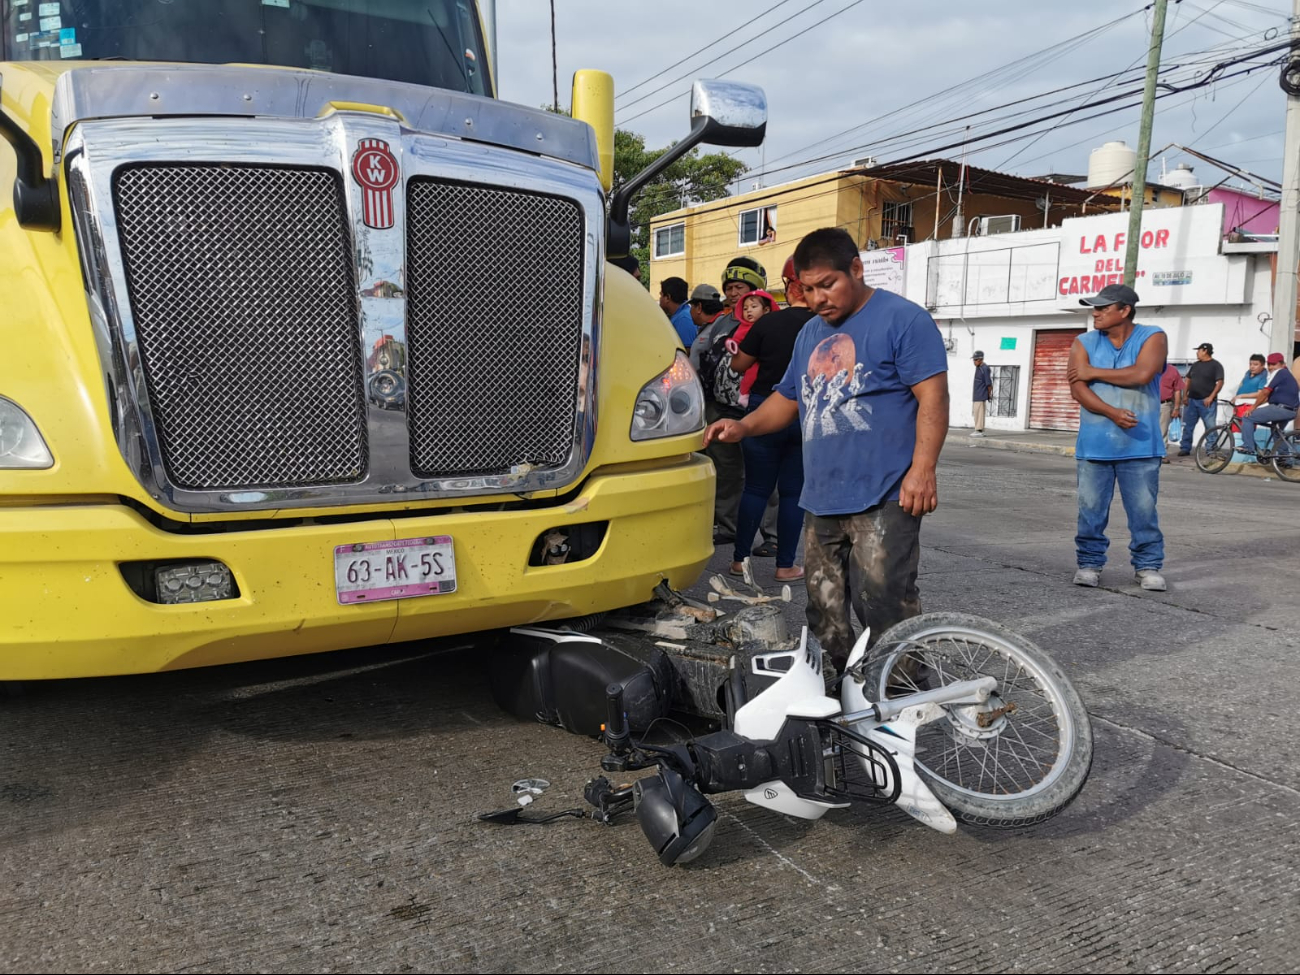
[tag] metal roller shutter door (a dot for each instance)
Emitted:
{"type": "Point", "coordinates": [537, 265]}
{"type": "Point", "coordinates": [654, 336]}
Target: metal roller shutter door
{"type": "Point", "coordinates": [1050, 405]}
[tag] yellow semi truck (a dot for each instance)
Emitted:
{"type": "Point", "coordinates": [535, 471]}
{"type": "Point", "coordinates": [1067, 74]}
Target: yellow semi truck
{"type": "Point", "coordinates": [309, 342]}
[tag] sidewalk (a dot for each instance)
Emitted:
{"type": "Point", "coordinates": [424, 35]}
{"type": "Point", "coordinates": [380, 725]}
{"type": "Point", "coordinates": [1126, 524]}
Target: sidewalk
{"type": "Point", "coordinates": [1062, 442]}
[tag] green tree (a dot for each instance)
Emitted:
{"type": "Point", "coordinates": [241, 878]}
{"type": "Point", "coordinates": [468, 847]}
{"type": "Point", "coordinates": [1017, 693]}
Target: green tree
{"type": "Point", "coordinates": [694, 178]}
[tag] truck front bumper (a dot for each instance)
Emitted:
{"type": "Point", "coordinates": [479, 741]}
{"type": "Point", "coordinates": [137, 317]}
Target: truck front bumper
{"type": "Point", "coordinates": [67, 610]}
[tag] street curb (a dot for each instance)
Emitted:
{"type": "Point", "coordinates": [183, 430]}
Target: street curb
{"type": "Point", "coordinates": [1020, 446]}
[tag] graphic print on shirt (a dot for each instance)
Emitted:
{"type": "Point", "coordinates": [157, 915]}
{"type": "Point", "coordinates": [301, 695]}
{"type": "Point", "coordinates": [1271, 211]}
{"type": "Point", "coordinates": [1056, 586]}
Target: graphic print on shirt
{"type": "Point", "coordinates": [830, 391]}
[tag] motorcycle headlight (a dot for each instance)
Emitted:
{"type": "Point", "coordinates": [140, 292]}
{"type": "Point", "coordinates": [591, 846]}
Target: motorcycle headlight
{"type": "Point", "coordinates": [674, 815]}
{"type": "Point", "coordinates": [670, 404]}
{"type": "Point", "coordinates": [21, 445]}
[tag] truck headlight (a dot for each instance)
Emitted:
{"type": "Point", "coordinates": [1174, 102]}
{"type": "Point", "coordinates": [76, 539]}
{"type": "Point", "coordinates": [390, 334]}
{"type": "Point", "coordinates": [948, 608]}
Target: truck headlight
{"type": "Point", "coordinates": [21, 445]}
{"type": "Point", "coordinates": [670, 404]}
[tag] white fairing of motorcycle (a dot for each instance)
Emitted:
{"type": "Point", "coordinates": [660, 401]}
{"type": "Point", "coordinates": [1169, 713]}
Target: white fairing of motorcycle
{"type": "Point", "coordinates": [898, 737]}
{"type": "Point", "coordinates": [800, 692]}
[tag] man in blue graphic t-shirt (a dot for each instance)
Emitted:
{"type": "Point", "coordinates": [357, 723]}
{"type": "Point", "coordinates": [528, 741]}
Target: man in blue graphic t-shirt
{"type": "Point", "coordinates": [1114, 375]}
{"type": "Point", "coordinates": [868, 383]}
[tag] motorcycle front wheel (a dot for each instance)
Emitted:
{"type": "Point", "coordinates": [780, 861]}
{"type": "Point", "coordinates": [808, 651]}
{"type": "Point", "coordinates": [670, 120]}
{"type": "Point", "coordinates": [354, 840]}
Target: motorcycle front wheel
{"type": "Point", "coordinates": [1016, 760]}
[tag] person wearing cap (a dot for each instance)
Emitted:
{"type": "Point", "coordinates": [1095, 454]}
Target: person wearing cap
{"type": "Point", "coordinates": [1114, 375]}
{"type": "Point", "coordinates": [1204, 380]}
{"type": "Point", "coordinates": [705, 304]}
{"type": "Point", "coordinates": [983, 392]}
{"type": "Point", "coordinates": [1276, 402]}
{"type": "Point", "coordinates": [629, 264]}
{"type": "Point", "coordinates": [742, 275]}
{"type": "Point", "coordinates": [672, 299]}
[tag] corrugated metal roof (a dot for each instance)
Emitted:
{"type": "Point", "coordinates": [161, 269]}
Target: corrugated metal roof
{"type": "Point", "coordinates": [925, 172]}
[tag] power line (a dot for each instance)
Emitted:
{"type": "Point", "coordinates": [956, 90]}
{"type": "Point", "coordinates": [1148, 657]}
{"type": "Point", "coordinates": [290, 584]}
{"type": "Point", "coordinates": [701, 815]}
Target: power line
{"type": "Point", "coordinates": [732, 50]}
{"type": "Point", "coordinates": [723, 74]}
{"type": "Point", "coordinates": [1226, 115]}
{"type": "Point", "coordinates": [954, 124]}
{"type": "Point", "coordinates": [1183, 64]}
{"type": "Point", "coordinates": [1131, 66]}
{"type": "Point", "coordinates": [1042, 56]}
{"type": "Point", "coordinates": [716, 40]}
{"type": "Point", "coordinates": [833, 177]}
{"type": "Point", "coordinates": [987, 76]}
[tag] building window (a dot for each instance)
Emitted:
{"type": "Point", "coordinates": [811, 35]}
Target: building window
{"type": "Point", "coordinates": [1006, 387]}
{"type": "Point", "coordinates": [670, 241]}
{"type": "Point", "coordinates": [758, 226]}
{"type": "Point", "coordinates": [896, 220]}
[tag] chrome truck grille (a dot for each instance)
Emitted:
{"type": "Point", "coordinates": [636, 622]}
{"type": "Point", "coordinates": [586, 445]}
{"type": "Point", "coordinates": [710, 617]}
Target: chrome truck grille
{"type": "Point", "coordinates": [494, 287]}
{"type": "Point", "coordinates": [245, 309]}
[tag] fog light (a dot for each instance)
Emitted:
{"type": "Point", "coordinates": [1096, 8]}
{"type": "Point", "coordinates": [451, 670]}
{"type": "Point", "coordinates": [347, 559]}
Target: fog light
{"type": "Point", "coordinates": [195, 582]}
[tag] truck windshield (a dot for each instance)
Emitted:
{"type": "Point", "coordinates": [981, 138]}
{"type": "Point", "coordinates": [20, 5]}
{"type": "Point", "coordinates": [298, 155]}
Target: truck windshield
{"type": "Point", "coordinates": [427, 42]}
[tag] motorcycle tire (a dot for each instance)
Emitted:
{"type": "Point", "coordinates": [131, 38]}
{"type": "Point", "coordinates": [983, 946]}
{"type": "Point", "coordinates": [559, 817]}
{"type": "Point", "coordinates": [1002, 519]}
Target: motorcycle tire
{"type": "Point", "coordinates": [1014, 761]}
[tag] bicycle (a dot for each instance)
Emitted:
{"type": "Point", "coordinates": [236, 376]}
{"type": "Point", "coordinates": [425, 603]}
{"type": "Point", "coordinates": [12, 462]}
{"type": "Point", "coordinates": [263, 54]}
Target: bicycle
{"type": "Point", "coordinates": [1215, 450]}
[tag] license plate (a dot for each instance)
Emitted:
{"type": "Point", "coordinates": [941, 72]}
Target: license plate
{"type": "Point", "coordinates": [373, 571]}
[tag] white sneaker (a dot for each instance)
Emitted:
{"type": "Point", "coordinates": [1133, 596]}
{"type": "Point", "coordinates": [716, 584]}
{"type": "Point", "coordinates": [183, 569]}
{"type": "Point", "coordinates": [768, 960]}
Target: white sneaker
{"type": "Point", "coordinates": [1087, 577]}
{"type": "Point", "coordinates": [1150, 580]}
{"type": "Point", "coordinates": [977, 433]}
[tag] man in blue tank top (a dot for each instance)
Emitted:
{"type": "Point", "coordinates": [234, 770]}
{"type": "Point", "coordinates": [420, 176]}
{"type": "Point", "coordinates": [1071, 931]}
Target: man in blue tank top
{"type": "Point", "coordinates": [1114, 375]}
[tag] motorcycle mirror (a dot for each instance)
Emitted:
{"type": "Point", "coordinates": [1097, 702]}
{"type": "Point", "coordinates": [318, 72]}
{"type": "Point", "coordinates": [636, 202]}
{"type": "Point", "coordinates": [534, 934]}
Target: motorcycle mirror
{"type": "Point", "coordinates": [675, 816]}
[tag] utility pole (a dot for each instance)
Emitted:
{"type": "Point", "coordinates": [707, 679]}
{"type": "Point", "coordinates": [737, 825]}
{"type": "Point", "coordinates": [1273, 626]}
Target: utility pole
{"type": "Point", "coordinates": [1144, 144]}
{"type": "Point", "coordinates": [1282, 331]}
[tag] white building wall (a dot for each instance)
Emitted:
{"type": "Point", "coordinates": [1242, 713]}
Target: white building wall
{"type": "Point", "coordinates": [994, 293]}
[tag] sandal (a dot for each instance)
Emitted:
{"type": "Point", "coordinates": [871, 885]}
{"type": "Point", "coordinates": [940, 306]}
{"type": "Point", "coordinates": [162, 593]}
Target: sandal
{"type": "Point", "coordinates": [794, 578]}
{"type": "Point", "coordinates": [765, 551]}
{"type": "Point", "coordinates": [737, 570]}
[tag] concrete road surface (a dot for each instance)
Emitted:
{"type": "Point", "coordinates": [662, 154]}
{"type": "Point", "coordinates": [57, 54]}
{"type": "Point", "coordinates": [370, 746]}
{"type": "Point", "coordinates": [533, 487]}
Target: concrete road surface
{"type": "Point", "coordinates": [316, 814]}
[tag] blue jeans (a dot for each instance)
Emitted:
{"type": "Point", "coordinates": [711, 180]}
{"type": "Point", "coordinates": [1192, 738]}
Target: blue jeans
{"type": "Point", "coordinates": [1194, 410]}
{"type": "Point", "coordinates": [774, 460]}
{"type": "Point", "coordinates": [1139, 484]}
{"type": "Point", "coordinates": [1267, 413]}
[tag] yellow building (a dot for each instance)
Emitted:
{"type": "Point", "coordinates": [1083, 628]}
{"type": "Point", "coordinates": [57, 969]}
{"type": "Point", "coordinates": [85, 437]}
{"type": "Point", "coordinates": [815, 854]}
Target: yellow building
{"type": "Point", "coordinates": [881, 206]}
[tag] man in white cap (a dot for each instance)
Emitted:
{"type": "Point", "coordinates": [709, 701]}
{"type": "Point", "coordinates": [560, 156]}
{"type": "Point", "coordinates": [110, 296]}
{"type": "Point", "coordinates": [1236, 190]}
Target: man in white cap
{"type": "Point", "coordinates": [1114, 375]}
{"type": "Point", "coordinates": [983, 392]}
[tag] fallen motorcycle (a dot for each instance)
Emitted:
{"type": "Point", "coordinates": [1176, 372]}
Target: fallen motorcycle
{"type": "Point", "coordinates": [951, 717]}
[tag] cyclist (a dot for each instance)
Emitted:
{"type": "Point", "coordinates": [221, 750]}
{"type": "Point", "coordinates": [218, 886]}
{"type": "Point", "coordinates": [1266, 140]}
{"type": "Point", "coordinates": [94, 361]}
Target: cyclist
{"type": "Point", "coordinates": [1278, 400]}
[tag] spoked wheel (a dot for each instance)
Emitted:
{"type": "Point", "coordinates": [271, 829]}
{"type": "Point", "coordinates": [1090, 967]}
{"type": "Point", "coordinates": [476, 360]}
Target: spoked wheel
{"type": "Point", "coordinates": [1286, 460]}
{"type": "Point", "coordinates": [1215, 449]}
{"type": "Point", "coordinates": [1015, 760]}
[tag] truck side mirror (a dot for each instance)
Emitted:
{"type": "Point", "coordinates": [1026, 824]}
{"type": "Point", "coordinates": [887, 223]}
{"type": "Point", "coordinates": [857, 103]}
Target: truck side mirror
{"type": "Point", "coordinates": [723, 113]}
{"type": "Point", "coordinates": [36, 196]}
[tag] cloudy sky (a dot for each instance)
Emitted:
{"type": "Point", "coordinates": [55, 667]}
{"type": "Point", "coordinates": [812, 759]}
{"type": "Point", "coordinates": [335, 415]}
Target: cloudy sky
{"type": "Point", "coordinates": [850, 78]}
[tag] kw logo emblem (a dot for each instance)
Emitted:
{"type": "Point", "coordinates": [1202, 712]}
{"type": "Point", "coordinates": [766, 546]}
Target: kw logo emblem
{"type": "Point", "coordinates": [375, 167]}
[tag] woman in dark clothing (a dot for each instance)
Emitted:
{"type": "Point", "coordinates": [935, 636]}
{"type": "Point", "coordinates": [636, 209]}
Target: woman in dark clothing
{"type": "Point", "coordinates": [774, 460]}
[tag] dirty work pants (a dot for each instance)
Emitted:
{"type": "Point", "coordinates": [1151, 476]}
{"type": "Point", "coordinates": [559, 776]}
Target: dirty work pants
{"type": "Point", "coordinates": [729, 465]}
{"type": "Point", "coordinates": [867, 561]}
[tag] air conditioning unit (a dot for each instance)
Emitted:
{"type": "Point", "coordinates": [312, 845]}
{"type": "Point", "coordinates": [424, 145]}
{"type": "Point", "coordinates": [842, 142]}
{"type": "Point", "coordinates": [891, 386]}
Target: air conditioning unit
{"type": "Point", "coordinates": [865, 162]}
{"type": "Point", "coordinates": [1007, 224]}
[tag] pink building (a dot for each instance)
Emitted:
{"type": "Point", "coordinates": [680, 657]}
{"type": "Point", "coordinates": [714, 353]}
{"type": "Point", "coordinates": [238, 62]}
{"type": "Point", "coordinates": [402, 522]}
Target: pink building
{"type": "Point", "coordinates": [1245, 211]}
